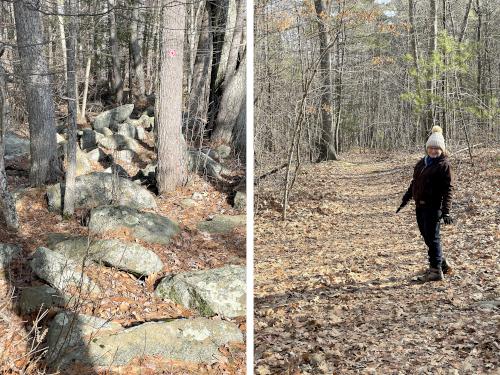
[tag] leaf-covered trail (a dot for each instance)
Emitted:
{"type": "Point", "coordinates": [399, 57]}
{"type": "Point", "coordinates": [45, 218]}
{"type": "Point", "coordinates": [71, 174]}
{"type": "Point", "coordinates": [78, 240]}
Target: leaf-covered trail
{"type": "Point", "coordinates": [333, 290]}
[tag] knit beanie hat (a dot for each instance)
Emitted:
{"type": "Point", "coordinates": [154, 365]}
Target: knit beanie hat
{"type": "Point", "coordinates": [436, 139]}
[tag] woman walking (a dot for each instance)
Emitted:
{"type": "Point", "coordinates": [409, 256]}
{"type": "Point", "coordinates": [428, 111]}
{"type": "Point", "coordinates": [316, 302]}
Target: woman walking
{"type": "Point", "coordinates": [432, 188]}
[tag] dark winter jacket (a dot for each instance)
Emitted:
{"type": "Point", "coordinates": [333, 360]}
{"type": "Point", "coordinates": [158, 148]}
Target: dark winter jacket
{"type": "Point", "coordinates": [432, 185]}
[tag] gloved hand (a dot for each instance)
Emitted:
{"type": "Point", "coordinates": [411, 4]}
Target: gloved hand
{"type": "Point", "coordinates": [447, 219]}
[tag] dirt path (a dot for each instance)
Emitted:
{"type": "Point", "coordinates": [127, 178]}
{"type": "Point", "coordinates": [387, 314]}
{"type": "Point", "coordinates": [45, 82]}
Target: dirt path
{"type": "Point", "coordinates": [333, 290]}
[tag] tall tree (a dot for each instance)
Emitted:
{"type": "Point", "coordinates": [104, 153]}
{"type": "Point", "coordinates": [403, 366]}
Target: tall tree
{"type": "Point", "coordinates": [7, 204]}
{"type": "Point", "coordinates": [233, 86]}
{"type": "Point", "coordinates": [218, 16]}
{"type": "Point", "coordinates": [172, 158]}
{"type": "Point", "coordinates": [200, 85]}
{"type": "Point", "coordinates": [431, 80]}
{"type": "Point", "coordinates": [138, 88]}
{"type": "Point", "coordinates": [116, 76]}
{"type": "Point", "coordinates": [69, 192]}
{"type": "Point", "coordinates": [45, 166]}
{"type": "Point", "coordinates": [231, 105]}
{"type": "Point", "coordinates": [327, 142]}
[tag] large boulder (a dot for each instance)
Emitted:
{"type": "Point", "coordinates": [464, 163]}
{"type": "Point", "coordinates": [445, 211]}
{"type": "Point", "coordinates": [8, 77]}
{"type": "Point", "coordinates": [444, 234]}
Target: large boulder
{"type": "Point", "coordinates": [69, 330]}
{"type": "Point", "coordinates": [219, 291]}
{"type": "Point", "coordinates": [8, 253]}
{"type": "Point", "coordinates": [118, 142]}
{"type": "Point", "coordinates": [15, 146]}
{"type": "Point", "coordinates": [34, 298]}
{"type": "Point", "coordinates": [107, 119]}
{"type": "Point", "coordinates": [146, 226]}
{"type": "Point", "coordinates": [194, 340]}
{"type": "Point", "coordinates": [202, 163]}
{"type": "Point", "coordinates": [105, 131]}
{"type": "Point", "coordinates": [131, 131]}
{"type": "Point", "coordinates": [60, 272]}
{"type": "Point", "coordinates": [116, 169]}
{"type": "Point", "coordinates": [130, 257]}
{"type": "Point", "coordinates": [83, 164]}
{"type": "Point", "coordinates": [96, 155]}
{"type": "Point", "coordinates": [124, 155]}
{"type": "Point", "coordinates": [240, 198]}
{"type": "Point", "coordinates": [222, 223]}
{"type": "Point", "coordinates": [147, 175]}
{"type": "Point", "coordinates": [224, 151]}
{"type": "Point", "coordinates": [88, 139]}
{"type": "Point", "coordinates": [147, 122]}
{"type": "Point", "coordinates": [96, 189]}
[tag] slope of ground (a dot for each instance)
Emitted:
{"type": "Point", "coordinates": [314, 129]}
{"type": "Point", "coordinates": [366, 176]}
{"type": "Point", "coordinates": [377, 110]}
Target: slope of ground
{"type": "Point", "coordinates": [333, 290]}
{"type": "Point", "coordinates": [127, 300]}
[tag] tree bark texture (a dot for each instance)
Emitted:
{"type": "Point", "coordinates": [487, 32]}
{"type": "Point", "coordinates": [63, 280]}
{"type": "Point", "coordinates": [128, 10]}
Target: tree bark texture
{"type": "Point", "coordinates": [138, 87]}
{"type": "Point", "coordinates": [218, 15]}
{"type": "Point", "coordinates": [39, 100]}
{"type": "Point", "coordinates": [7, 203]}
{"type": "Point", "coordinates": [431, 81]}
{"type": "Point", "coordinates": [327, 143]}
{"type": "Point", "coordinates": [69, 192]}
{"type": "Point", "coordinates": [172, 158]}
{"type": "Point", "coordinates": [231, 105]}
{"type": "Point", "coordinates": [199, 94]}
{"type": "Point", "coordinates": [116, 76]}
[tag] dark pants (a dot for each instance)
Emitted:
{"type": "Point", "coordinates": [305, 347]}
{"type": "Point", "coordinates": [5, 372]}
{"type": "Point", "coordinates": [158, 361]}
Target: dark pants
{"type": "Point", "coordinates": [428, 223]}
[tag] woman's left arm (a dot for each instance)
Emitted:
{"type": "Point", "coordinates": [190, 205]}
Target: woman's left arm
{"type": "Point", "coordinates": [448, 188]}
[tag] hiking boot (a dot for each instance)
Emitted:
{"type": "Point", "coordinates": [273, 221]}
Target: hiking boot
{"type": "Point", "coordinates": [445, 266]}
{"type": "Point", "coordinates": [432, 274]}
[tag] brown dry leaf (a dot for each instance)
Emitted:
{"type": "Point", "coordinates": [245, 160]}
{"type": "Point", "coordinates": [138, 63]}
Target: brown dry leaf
{"type": "Point", "coordinates": [151, 280]}
{"type": "Point", "coordinates": [335, 277]}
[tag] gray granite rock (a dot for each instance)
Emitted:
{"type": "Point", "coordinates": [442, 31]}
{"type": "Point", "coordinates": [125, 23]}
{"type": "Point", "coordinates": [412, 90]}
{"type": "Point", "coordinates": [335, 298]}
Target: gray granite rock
{"type": "Point", "coordinates": [60, 272]}
{"type": "Point", "coordinates": [194, 340]}
{"type": "Point", "coordinates": [146, 226]}
{"type": "Point", "coordinates": [219, 291]}
{"type": "Point", "coordinates": [222, 223]}
{"type": "Point", "coordinates": [15, 146]}
{"type": "Point", "coordinates": [126, 256]}
{"type": "Point", "coordinates": [8, 252]}
{"type": "Point", "coordinates": [37, 298]}
{"type": "Point", "coordinates": [96, 189]}
{"type": "Point", "coordinates": [114, 116]}
{"type": "Point", "coordinates": [118, 142]}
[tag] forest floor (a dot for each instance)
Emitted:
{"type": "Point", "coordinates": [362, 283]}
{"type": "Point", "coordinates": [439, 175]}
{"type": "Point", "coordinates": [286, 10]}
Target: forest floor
{"type": "Point", "coordinates": [333, 289]}
{"type": "Point", "coordinates": [127, 300]}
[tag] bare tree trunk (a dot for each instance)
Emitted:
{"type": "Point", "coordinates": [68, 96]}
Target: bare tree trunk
{"type": "Point", "coordinates": [236, 45]}
{"type": "Point", "coordinates": [327, 144]}
{"type": "Point", "coordinates": [171, 170]}
{"type": "Point", "coordinates": [60, 22]}
{"type": "Point", "coordinates": [431, 81]}
{"type": "Point", "coordinates": [230, 106]}
{"type": "Point", "coordinates": [69, 191]}
{"type": "Point", "coordinates": [7, 204]}
{"type": "Point", "coordinates": [218, 14]}
{"type": "Point", "coordinates": [240, 131]}
{"type": "Point", "coordinates": [479, 55]}
{"type": "Point", "coordinates": [44, 162]}
{"type": "Point", "coordinates": [198, 97]}
{"type": "Point", "coordinates": [464, 22]}
{"type": "Point", "coordinates": [116, 76]}
{"type": "Point", "coordinates": [340, 52]}
{"type": "Point", "coordinates": [85, 91]}
{"type": "Point", "coordinates": [138, 87]}
{"type": "Point", "coordinates": [413, 35]}
{"type": "Point", "coordinates": [195, 27]}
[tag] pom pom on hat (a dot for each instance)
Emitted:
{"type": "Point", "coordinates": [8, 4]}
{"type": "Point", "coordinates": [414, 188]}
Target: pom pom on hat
{"type": "Point", "coordinates": [436, 139]}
